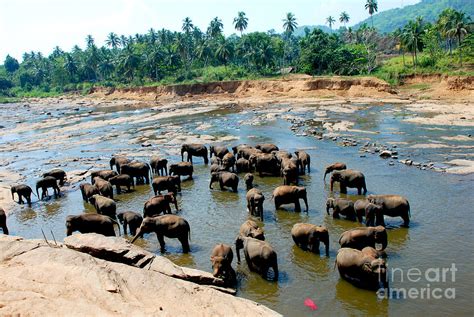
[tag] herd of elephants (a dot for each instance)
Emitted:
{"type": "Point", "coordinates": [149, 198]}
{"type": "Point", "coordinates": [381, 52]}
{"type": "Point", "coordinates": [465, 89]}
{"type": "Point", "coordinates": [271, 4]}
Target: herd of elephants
{"type": "Point", "coordinates": [358, 261]}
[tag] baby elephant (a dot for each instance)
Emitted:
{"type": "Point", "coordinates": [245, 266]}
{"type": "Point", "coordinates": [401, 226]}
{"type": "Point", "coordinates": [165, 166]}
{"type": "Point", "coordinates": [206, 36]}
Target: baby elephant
{"type": "Point", "coordinates": [259, 255]}
{"type": "Point", "coordinates": [359, 238]}
{"type": "Point", "coordinates": [341, 206]}
{"type": "Point", "coordinates": [104, 206]}
{"type": "Point", "coordinates": [131, 219]}
{"type": "Point", "coordinates": [3, 221]}
{"type": "Point", "coordinates": [22, 190]}
{"type": "Point", "coordinates": [225, 179]}
{"type": "Point", "coordinates": [87, 223]}
{"type": "Point", "coordinates": [57, 173]}
{"type": "Point", "coordinates": [88, 190]}
{"type": "Point", "coordinates": [44, 184]}
{"type": "Point", "coordinates": [255, 201]}
{"type": "Point", "coordinates": [308, 236]}
{"type": "Point", "coordinates": [221, 260]}
{"type": "Point", "coordinates": [248, 178]}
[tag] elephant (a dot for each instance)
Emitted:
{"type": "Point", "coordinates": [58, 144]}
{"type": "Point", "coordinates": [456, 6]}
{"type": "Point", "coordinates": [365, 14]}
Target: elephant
{"type": "Point", "coordinates": [247, 152]}
{"type": "Point", "coordinates": [216, 161]}
{"type": "Point", "coordinates": [289, 171]}
{"type": "Point", "coordinates": [242, 165]}
{"type": "Point", "coordinates": [87, 223]}
{"type": "Point", "coordinates": [392, 206]}
{"type": "Point", "coordinates": [359, 207]}
{"type": "Point", "coordinates": [194, 150]}
{"type": "Point", "coordinates": [267, 147]}
{"type": "Point", "coordinates": [118, 161]}
{"type": "Point", "coordinates": [131, 219]}
{"type": "Point", "coordinates": [221, 260]}
{"type": "Point", "coordinates": [22, 190]}
{"type": "Point", "coordinates": [255, 201]}
{"type": "Point", "coordinates": [235, 149]}
{"type": "Point", "coordinates": [170, 183]}
{"type": "Point", "coordinates": [305, 161]}
{"type": "Point", "coordinates": [170, 226]}
{"type": "Point", "coordinates": [159, 165]}
{"type": "Point", "coordinates": [259, 255]}
{"type": "Point", "coordinates": [137, 170]}
{"type": "Point", "coordinates": [290, 195]}
{"type": "Point", "coordinates": [248, 179]}
{"type": "Point", "coordinates": [57, 173]}
{"type": "Point", "coordinates": [225, 179]}
{"type": "Point", "coordinates": [374, 215]}
{"type": "Point", "coordinates": [341, 206]}
{"type": "Point", "coordinates": [250, 229]}
{"type": "Point", "coordinates": [361, 269]}
{"type": "Point", "coordinates": [104, 187]}
{"type": "Point", "coordinates": [104, 174]}
{"type": "Point", "coordinates": [159, 204]}
{"type": "Point", "coordinates": [3, 221]}
{"type": "Point", "coordinates": [121, 180]}
{"type": "Point", "coordinates": [281, 154]}
{"type": "Point", "coordinates": [182, 169]}
{"type": "Point", "coordinates": [349, 178]}
{"type": "Point", "coordinates": [44, 184]}
{"type": "Point", "coordinates": [228, 161]}
{"type": "Point", "coordinates": [338, 166]}
{"type": "Point", "coordinates": [218, 151]}
{"type": "Point", "coordinates": [215, 168]}
{"type": "Point", "coordinates": [87, 191]}
{"type": "Point", "coordinates": [104, 206]}
{"type": "Point", "coordinates": [308, 236]}
{"type": "Point", "coordinates": [359, 238]}
{"type": "Point", "coordinates": [265, 164]}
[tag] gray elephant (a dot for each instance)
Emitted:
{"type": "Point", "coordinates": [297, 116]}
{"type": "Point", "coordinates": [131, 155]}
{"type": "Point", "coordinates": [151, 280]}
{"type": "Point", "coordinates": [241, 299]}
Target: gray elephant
{"type": "Point", "coordinates": [248, 179]}
{"type": "Point", "coordinates": [265, 164]}
{"type": "Point", "coordinates": [118, 161]}
{"type": "Point", "coordinates": [255, 201]}
{"type": "Point", "coordinates": [259, 255]}
{"type": "Point", "coordinates": [104, 174]}
{"type": "Point", "coordinates": [290, 195]}
{"type": "Point", "coordinates": [251, 229]}
{"type": "Point", "coordinates": [392, 206]}
{"type": "Point", "coordinates": [122, 180]}
{"type": "Point", "coordinates": [57, 173]}
{"type": "Point", "coordinates": [267, 147]}
{"type": "Point", "coordinates": [23, 191]}
{"type": "Point", "coordinates": [218, 150]}
{"type": "Point", "coordinates": [289, 171]}
{"type": "Point", "coordinates": [359, 238]}
{"type": "Point", "coordinates": [170, 183]}
{"type": "Point", "coordinates": [159, 165]}
{"type": "Point", "coordinates": [87, 191]}
{"type": "Point", "coordinates": [361, 269]}
{"type": "Point", "coordinates": [338, 166]}
{"type": "Point", "coordinates": [341, 206]}
{"type": "Point", "coordinates": [247, 152]}
{"type": "Point", "coordinates": [221, 260]}
{"type": "Point", "coordinates": [104, 206]}
{"type": "Point", "coordinates": [349, 178]}
{"type": "Point", "coordinates": [228, 162]}
{"type": "Point", "coordinates": [3, 221]}
{"type": "Point", "coordinates": [242, 165]}
{"type": "Point", "coordinates": [216, 161]}
{"type": "Point", "coordinates": [130, 219]}
{"type": "Point", "coordinates": [374, 215]}
{"type": "Point", "coordinates": [44, 184]}
{"type": "Point", "coordinates": [308, 236]}
{"type": "Point", "coordinates": [235, 149]}
{"type": "Point", "coordinates": [282, 154]}
{"type": "Point", "coordinates": [87, 223]}
{"type": "Point", "coordinates": [159, 204]}
{"type": "Point", "coordinates": [182, 169]}
{"type": "Point", "coordinates": [225, 179]}
{"type": "Point", "coordinates": [305, 161]}
{"type": "Point", "coordinates": [359, 207]}
{"type": "Point", "coordinates": [194, 150]}
{"type": "Point", "coordinates": [170, 226]}
{"type": "Point", "coordinates": [104, 187]}
{"type": "Point", "coordinates": [137, 170]}
{"type": "Point", "coordinates": [215, 168]}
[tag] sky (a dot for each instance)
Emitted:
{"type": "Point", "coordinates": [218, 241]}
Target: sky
{"type": "Point", "coordinates": [40, 25]}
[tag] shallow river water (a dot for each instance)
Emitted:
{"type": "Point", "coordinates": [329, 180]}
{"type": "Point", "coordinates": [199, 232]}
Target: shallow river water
{"type": "Point", "coordinates": [440, 234]}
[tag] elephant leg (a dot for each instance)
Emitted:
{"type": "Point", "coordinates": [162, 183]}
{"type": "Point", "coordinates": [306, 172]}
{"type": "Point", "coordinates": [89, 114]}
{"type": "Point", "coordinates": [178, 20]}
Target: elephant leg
{"type": "Point", "coordinates": [335, 213]}
{"type": "Point", "coordinates": [133, 230]}
{"type": "Point", "coordinates": [343, 188]}
{"type": "Point", "coordinates": [297, 206]}
{"type": "Point", "coordinates": [28, 200]}
{"type": "Point", "coordinates": [185, 243]}
{"type": "Point", "coordinates": [161, 240]}
{"type": "Point", "coordinates": [125, 224]}
{"type": "Point", "coordinates": [147, 179]}
{"type": "Point", "coordinates": [406, 220]}
{"type": "Point", "coordinates": [20, 200]}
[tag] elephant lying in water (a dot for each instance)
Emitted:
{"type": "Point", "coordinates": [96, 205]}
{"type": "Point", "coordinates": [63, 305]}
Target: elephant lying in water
{"type": "Point", "coordinates": [308, 236]}
{"type": "Point", "coordinates": [221, 260]}
{"type": "Point", "coordinates": [392, 206]}
{"type": "Point", "coordinates": [22, 190]}
{"type": "Point", "coordinates": [259, 255]}
{"type": "Point", "coordinates": [3, 221]}
{"type": "Point", "coordinates": [359, 238]}
{"type": "Point", "coordinates": [87, 223]}
{"type": "Point", "coordinates": [130, 219]}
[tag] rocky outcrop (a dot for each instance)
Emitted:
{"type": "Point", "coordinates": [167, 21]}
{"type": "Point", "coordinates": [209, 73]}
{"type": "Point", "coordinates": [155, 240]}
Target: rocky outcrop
{"type": "Point", "coordinates": [40, 280]}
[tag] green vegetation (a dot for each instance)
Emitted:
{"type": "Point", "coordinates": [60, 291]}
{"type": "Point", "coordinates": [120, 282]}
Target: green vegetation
{"type": "Point", "coordinates": [165, 57]}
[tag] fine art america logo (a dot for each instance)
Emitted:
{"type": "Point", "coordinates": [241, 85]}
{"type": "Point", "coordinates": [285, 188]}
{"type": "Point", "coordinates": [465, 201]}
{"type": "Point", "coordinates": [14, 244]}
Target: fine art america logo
{"type": "Point", "coordinates": [434, 282]}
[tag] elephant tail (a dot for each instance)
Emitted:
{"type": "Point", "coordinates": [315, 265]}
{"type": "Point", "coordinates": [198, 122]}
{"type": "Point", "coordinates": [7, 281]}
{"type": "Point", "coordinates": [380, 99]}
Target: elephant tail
{"type": "Point", "coordinates": [37, 192]}
{"type": "Point", "coordinates": [189, 232]}
{"type": "Point", "coordinates": [118, 225]}
{"type": "Point", "coordinates": [34, 194]}
{"type": "Point", "coordinates": [409, 211]}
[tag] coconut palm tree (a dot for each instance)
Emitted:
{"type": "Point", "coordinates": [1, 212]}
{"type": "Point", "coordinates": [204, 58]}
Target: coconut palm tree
{"type": "Point", "coordinates": [187, 25]}
{"type": "Point", "coordinates": [241, 22]}
{"type": "Point", "coordinates": [215, 27]}
{"type": "Point", "coordinates": [344, 18]}
{"type": "Point", "coordinates": [330, 20]}
{"type": "Point", "coordinates": [224, 51]}
{"type": "Point", "coordinates": [411, 36]}
{"type": "Point", "coordinates": [289, 23]}
{"type": "Point", "coordinates": [112, 40]}
{"type": "Point", "coordinates": [89, 41]}
{"type": "Point", "coordinates": [459, 30]}
{"type": "Point", "coordinates": [372, 6]}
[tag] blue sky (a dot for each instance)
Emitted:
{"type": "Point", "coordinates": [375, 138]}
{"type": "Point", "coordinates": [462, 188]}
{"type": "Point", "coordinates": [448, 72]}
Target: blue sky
{"type": "Point", "coordinates": [40, 25]}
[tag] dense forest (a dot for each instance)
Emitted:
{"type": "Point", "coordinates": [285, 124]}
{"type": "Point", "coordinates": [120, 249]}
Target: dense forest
{"type": "Point", "coordinates": [163, 57]}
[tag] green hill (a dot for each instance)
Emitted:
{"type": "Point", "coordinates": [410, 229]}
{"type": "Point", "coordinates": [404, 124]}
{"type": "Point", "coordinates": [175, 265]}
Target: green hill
{"type": "Point", "coordinates": [390, 20]}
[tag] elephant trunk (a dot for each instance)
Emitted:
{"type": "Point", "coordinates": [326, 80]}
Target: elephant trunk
{"type": "Point", "coordinates": [13, 191]}
{"type": "Point", "coordinates": [325, 173]}
{"type": "Point", "coordinates": [137, 235]}
{"type": "Point", "coordinates": [210, 184]}
{"type": "Point", "coordinates": [384, 244]}
{"type": "Point", "coordinates": [331, 183]}
{"type": "Point", "coordinates": [68, 231]}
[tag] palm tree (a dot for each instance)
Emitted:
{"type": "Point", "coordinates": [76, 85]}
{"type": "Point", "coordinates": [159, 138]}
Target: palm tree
{"type": "Point", "coordinates": [187, 25]}
{"type": "Point", "coordinates": [330, 20]}
{"type": "Point", "coordinates": [223, 51]}
{"type": "Point", "coordinates": [372, 6]}
{"type": "Point", "coordinates": [411, 36]}
{"type": "Point", "coordinates": [289, 23]}
{"type": "Point", "coordinates": [445, 23]}
{"type": "Point", "coordinates": [89, 41]}
{"type": "Point", "coordinates": [459, 30]}
{"type": "Point", "coordinates": [123, 41]}
{"type": "Point", "coordinates": [344, 18]}
{"type": "Point", "coordinates": [112, 40]}
{"type": "Point", "coordinates": [70, 66]}
{"type": "Point", "coordinates": [215, 27]}
{"type": "Point", "coordinates": [241, 22]}
{"type": "Point", "coordinates": [152, 36]}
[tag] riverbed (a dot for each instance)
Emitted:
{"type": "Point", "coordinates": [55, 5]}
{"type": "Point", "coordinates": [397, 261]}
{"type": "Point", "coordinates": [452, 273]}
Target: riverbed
{"type": "Point", "coordinates": [82, 137]}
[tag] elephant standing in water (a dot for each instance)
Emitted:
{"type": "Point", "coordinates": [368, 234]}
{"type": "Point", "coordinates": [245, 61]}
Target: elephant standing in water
{"type": "Point", "coordinates": [349, 178]}
{"type": "Point", "coordinates": [359, 207]}
{"type": "Point", "coordinates": [267, 147]}
{"type": "Point", "coordinates": [248, 179]}
{"type": "Point", "coordinates": [104, 174]}
{"type": "Point", "coordinates": [218, 150]}
{"type": "Point", "coordinates": [22, 190]}
{"type": "Point", "coordinates": [308, 236]}
{"type": "Point", "coordinates": [225, 179]}
{"type": "Point", "coordinates": [250, 229]}
{"type": "Point", "coordinates": [259, 255]}
{"type": "Point", "coordinates": [194, 150]}
{"type": "Point", "coordinates": [87, 223]}
{"type": "Point", "coordinates": [305, 161]}
{"type": "Point", "coordinates": [3, 221]}
{"type": "Point", "coordinates": [182, 169]}
{"type": "Point", "coordinates": [57, 173]}
{"type": "Point", "coordinates": [104, 187]}
{"type": "Point", "coordinates": [159, 165]}
{"type": "Point", "coordinates": [170, 183]}
{"type": "Point", "coordinates": [341, 206]}
{"type": "Point", "coordinates": [255, 201]}
{"type": "Point", "coordinates": [290, 195]}
{"type": "Point", "coordinates": [334, 167]}
{"type": "Point", "coordinates": [88, 190]}
{"type": "Point", "coordinates": [130, 219]}
{"type": "Point", "coordinates": [242, 165]}
{"type": "Point", "coordinates": [104, 206]}
{"type": "Point", "coordinates": [137, 170]}
{"type": "Point", "coordinates": [159, 204]}
{"type": "Point", "coordinates": [122, 180]}
{"type": "Point", "coordinates": [44, 184]}
{"type": "Point", "coordinates": [118, 161]}
{"type": "Point", "coordinates": [392, 206]}
{"type": "Point", "coordinates": [170, 226]}
{"type": "Point", "coordinates": [221, 260]}
{"type": "Point", "coordinates": [359, 238]}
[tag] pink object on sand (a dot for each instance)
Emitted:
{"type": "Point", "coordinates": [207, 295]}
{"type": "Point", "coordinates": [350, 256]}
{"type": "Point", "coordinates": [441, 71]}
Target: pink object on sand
{"type": "Point", "coordinates": [310, 303]}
